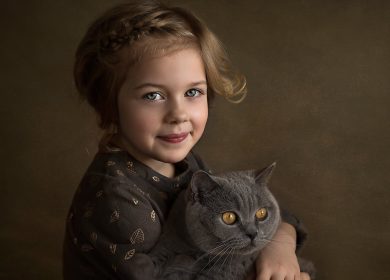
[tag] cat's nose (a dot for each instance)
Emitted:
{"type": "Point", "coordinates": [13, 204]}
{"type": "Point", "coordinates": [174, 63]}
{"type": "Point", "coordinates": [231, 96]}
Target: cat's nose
{"type": "Point", "coordinates": [252, 234]}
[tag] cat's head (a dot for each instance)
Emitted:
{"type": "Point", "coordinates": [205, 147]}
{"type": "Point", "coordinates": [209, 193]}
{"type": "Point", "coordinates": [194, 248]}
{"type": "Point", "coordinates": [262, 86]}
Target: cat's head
{"type": "Point", "coordinates": [233, 210]}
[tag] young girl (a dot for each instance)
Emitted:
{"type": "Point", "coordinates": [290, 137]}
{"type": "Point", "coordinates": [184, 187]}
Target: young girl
{"type": "Point", "coordinates": [150, 71]}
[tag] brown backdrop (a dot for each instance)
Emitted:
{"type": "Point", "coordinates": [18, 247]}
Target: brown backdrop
{"type": "Point", "coordinates": [318, 104]}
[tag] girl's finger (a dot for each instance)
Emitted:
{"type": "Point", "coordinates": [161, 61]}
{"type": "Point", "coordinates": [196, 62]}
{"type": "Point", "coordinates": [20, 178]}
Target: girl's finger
{"type": "Point", "coordinates": [264, 275]}
{"type": "Point", "coordinates": [304, 276]}
{"type": "Point", "coordinates": [278, 277]}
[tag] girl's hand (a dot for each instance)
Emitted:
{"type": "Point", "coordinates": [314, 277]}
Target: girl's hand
{"type": "Point", "coordinates": [278, 261]}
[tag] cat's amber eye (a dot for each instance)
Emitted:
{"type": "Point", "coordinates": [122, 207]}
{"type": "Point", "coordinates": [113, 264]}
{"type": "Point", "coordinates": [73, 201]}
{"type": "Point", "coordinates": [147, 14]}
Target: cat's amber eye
{"type": "Point", "coordinates": [229, 218]}
{"type": "Point", "coordinates": [261, 214]}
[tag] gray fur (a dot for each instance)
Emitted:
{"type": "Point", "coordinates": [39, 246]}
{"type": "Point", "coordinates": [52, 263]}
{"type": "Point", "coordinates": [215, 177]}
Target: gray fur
{"type": "Point", "coordinates": [197, 244]}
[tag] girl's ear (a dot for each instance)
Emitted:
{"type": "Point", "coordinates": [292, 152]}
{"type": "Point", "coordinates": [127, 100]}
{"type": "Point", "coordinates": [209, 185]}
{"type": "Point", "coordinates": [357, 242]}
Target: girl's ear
{"type": "Point", "coordinates": [263, 176]}
{"type": "Point", "coordinates": [201, 184]}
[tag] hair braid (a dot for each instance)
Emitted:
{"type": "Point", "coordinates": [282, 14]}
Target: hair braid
{"type": "Point", "coordinates": [128, 30]}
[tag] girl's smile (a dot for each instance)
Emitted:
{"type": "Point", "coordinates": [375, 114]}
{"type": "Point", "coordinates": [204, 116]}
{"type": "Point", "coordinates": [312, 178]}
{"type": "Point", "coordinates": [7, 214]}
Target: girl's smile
{"type": "Point", "coordinates": [174, 138]}
{"type": "Point", "coordinates": [162, 108]}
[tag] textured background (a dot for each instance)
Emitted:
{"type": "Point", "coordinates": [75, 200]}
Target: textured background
{"type": "Point", "coordinates": [318, 104]}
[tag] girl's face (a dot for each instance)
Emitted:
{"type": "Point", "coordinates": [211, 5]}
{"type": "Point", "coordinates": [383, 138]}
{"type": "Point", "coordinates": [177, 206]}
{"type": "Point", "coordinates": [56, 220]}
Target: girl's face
{"type": "Point", "coordinates": [163, 108]}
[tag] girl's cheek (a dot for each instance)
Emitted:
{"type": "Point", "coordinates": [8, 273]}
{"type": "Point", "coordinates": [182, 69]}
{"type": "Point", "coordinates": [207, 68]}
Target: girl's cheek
{"type": "Point", "coordinates": [202, 114]}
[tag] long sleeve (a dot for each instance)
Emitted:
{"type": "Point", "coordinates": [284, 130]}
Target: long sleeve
{"type": "Point", "coordinates": [112, 222]}
{"type": "Point", "coordinates": [116, 217]}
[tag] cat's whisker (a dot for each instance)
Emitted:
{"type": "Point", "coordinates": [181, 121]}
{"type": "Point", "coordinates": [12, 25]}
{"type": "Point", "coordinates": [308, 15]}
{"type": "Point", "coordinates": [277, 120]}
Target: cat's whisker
{"type": "Point", "coordinates": [222, 254]}
{"type": "Point", "coordinates": [231, 260]}
{"type": "Point", "coordinates": [236, 243]}
{"type": "Point", "coordinates": [216, 248]}
{"type": "Point", "coordinates": [209, 253]}
{"type": "Point", "coordinates": [227, 256]}
{"type": "Point", "coordinates": [224, 249]}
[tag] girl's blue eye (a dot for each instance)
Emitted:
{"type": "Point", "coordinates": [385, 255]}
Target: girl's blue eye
{"type": "Point", "coordinates": [153, 96]}
{"type": "Point", "coordinates": [193, 92]}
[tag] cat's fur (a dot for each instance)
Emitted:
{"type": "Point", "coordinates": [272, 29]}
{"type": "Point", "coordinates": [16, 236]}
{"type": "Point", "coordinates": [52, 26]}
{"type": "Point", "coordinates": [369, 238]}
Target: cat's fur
{"type": "Point", "coordinates": [197, 244]}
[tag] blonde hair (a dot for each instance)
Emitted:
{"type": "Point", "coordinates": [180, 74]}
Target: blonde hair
{"type": "Point", "coordinates": [128, 32]}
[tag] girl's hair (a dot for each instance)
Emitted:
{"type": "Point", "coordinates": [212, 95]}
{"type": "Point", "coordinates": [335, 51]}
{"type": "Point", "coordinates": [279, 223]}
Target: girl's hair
{"type": "Point", "coordinates": [128, 32]}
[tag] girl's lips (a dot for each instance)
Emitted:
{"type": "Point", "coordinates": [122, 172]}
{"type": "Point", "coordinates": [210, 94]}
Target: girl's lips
{"type": "Point", "coordinates": [174, 138]}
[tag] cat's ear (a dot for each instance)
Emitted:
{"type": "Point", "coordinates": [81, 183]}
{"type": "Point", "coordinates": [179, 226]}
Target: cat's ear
{"type": "Point", "coordinates": [201, 183]}
{"type": "Point", "coordinates": [263, 176]}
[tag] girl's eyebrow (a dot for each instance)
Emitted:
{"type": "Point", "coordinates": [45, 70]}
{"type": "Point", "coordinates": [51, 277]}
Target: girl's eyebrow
{"type": "Point", "coordinates": [198, 83]}
{"type": "Point", "coordinates": [202, 82]}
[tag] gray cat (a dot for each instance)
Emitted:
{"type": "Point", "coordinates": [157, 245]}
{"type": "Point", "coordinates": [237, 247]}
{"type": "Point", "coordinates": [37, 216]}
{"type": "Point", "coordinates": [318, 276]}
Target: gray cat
{"type": "Point", "coordinates": [217, 227]}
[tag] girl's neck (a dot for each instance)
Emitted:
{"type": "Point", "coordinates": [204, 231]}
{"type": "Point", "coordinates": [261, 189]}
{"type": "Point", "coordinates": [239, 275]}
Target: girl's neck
{"type": "Point", "coordinates": [165, 169]}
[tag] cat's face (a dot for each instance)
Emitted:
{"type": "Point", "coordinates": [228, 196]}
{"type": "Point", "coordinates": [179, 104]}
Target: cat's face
{"type": "Point", "coordinates": [233, 212]}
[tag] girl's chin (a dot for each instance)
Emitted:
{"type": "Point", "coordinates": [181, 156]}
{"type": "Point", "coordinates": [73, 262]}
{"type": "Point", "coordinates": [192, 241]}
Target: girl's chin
{"type": "Point", "coordinates": [174, 158]}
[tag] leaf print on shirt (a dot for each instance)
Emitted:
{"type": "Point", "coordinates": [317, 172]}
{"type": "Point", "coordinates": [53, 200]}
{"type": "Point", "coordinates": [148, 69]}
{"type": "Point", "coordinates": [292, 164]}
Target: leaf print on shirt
{"type": "Point", "coordinates": [153, 216]}
{"type": "Point", "coordinates": [130, 167]}
{"type": "Point", "coordinates": [137, 236]}
{"type": "Point", "coordinates": [86, 248]}
{"type": "Point", "coordinates": [113, 248]}
{"type": "Point", "coordinates": [129, 254]}
{"type": "Point", "coordinates": [99, 193]}
{"type": "Point", "coordinates": [135, 201]}
{"type": "Point", "coordinates": [114, 216]}
{"type": "Point", "coordinates": [141, 191]}
{"type": "Point", "coordinates": [110, 163]}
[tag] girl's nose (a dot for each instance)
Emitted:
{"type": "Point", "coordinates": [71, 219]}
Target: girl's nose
{"type": "Point", "coordinates": [177, 113]}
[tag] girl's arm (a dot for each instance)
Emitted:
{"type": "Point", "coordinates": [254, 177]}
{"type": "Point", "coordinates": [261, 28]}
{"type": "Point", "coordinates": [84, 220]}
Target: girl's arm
{"type": "Point", "coordinates": [111, 229]}
{"type": "Point", "coordinates": [278, 259]}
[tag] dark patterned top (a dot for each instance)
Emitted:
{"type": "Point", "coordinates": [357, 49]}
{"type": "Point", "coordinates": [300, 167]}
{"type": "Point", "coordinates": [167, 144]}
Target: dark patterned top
{"type": "Point", "coordinates": [118, 211]}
